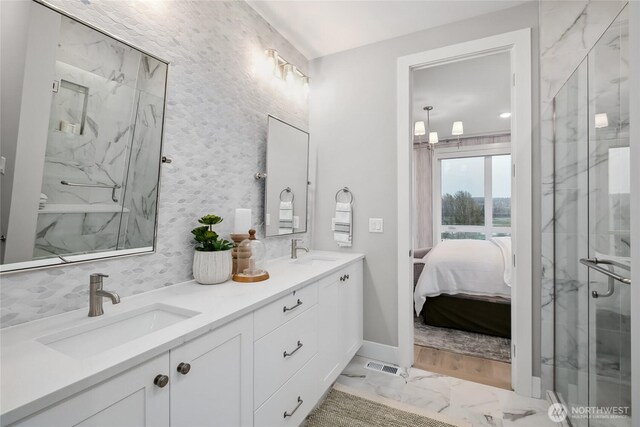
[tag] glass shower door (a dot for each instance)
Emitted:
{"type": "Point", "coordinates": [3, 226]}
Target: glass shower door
{"type": "Point", "coordinates": [592, 240]}
{"type": "Point", "coordinates": [571, 346]}
{"type": "Point", "coordinates": [609, 226]}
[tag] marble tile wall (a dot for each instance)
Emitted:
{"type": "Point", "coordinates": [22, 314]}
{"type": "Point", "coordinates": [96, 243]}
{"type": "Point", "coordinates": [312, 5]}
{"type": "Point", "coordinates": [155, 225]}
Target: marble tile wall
{"type": "Point", "coordinates": [215, 132]}
{"type": "Point", "coordinates": [568, 31]}
{"type": "Point", "coordinates": [141, 185]}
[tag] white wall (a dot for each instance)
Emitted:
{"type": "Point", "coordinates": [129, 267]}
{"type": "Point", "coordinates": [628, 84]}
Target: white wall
{"type": "Point", "coordinates": [353, 128]}
{"type": "Point", "coordinates": [14, 27]}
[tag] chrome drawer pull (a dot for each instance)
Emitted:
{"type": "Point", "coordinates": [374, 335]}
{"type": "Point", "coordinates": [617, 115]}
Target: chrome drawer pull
{"type": "Point", "coordinates": [285, 308]}
{"type": "Point", "coordinates": [289, 414]}
{"type": "Point", "coordinates": [293, 352]}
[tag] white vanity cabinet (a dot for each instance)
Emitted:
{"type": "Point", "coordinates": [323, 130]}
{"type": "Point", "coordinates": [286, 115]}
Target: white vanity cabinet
{"type": "Point", "coordinates": [268, 367]}
{"type": "Point", "coordinates": [205, 382]}
{"type": "Point", "coordinates": [340, 332]}
{"type": "Point", "coordinates": [212, 378]}
{"type": "Point", "coordinates": [325, 337]}
{"type": "Point", "coordinates": [129, 399]}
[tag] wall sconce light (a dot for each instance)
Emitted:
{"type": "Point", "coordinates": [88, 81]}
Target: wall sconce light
{"type": "Point", "coordinates": [278, 67]}
{"type": "Point", "coordinates": [602, 121]}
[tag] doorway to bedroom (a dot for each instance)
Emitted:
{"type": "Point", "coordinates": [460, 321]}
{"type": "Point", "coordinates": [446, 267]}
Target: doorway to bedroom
{"type": "Point", "coordinates": [461, 204]}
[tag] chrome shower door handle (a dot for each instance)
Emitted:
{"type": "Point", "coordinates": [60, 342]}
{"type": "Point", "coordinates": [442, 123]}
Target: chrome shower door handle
{"type": "Point", "coordinates": [611, 287]}
{"type": "Point", "coordinates": [594, 263]}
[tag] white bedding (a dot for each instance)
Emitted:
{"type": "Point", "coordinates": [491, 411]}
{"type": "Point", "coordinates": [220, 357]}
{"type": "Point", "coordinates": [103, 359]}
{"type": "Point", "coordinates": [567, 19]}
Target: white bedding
{"type": "Point", "coordinates": [473, 267]}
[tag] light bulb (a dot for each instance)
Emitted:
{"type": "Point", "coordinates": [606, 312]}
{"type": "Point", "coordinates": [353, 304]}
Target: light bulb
{"type": "Point", "coordinates": [289, 73]}
{"type": "Point", "coordinates": [457, 128]}
{"type": "Point", "coordinates": [305, 85]}
{"type": "Point", "coordinates": [271, 62]}
{"type": "Point", "coordinates": [433, 137]}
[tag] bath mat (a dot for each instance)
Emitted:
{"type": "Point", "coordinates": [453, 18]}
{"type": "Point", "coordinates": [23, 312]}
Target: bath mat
{"type": "Point", "coordinates": [469, 343]}
{"type": "Point", "coordinates": [346, 407]}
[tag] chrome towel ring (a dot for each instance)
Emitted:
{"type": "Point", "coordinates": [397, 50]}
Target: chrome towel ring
{"type": "Point", "coordinates": [346, 191]}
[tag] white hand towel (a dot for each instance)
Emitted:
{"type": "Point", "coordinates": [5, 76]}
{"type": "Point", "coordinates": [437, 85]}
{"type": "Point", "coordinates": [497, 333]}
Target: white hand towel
{"type": "Point", "coordinates": [43, 201]}
{"type": "Point", "coordinates": [285, 221]}
{"type": "Point", "coordinates": [343, 225]}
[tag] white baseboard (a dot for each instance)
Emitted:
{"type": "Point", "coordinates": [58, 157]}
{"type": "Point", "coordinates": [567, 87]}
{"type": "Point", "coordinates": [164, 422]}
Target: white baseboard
{"type": "Point", "coordinates": [379, 352]}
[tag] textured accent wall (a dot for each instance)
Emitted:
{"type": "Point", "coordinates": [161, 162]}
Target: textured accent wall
{"type": "Point", "coordinates": [215, 132]}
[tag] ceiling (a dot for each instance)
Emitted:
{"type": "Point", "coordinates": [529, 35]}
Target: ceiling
{"type": "Point", "coordinates": [474, 91]}
{"type": "Point", "coordinates": [319, 28]}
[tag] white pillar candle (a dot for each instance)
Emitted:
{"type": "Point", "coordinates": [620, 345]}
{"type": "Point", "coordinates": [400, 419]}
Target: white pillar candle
{"type": "Point", "coordinates": [242, 221]}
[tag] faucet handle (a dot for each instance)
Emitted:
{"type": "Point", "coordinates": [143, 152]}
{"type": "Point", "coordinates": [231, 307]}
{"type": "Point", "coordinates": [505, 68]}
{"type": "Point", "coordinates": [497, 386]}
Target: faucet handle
{"type": "Point", "coordinates": [96, 279]}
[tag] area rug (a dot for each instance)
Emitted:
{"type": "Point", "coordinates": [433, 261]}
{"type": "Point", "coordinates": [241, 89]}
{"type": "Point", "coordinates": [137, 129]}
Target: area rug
{"type": "Point", "coordinates": [469, 343]}
{"type": "Point", "coordinates": [347, 407]}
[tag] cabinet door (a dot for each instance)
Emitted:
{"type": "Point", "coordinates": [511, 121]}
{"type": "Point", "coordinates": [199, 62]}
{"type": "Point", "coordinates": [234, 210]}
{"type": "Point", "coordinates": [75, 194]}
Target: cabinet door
{"type": "Point", "coordinates": [330, 329]}
{"type": "Point", "coordinates": [129, 399]}
{"type": "Point", "coordinates": [217, 390]}
{"type": "Point", "coordinates": [352, 311]}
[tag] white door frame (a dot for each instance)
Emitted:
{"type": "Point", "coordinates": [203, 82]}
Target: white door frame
{"type": "Point", "coordinates": [518, 43]}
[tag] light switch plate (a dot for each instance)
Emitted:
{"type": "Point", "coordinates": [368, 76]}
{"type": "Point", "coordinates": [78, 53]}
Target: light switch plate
{"type": "Point", "coordinates": [376, 225]}
{"type": "Point", "coordinates": [296, 221]}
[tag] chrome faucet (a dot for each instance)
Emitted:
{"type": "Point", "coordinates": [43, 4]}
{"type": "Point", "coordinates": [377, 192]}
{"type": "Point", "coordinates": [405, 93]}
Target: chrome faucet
{"type": "Point", "coordinates": [295, 248]}
{"type": "Point", "coordinates": [96, 293]}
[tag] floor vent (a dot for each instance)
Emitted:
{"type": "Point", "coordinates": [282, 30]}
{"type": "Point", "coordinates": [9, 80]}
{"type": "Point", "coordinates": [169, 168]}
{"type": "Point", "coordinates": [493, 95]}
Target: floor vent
{"type": "Point", "coordinates": [381, 367]}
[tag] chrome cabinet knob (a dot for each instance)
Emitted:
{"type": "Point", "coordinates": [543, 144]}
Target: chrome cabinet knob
{"type": "Point", "coordinates": [184, 368]}
{"type": "Point", "coordinates": [161, 380]}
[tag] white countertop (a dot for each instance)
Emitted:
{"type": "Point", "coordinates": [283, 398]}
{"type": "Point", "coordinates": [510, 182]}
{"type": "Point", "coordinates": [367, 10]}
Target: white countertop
{"type": "Point", "coordinates": [35, 376]}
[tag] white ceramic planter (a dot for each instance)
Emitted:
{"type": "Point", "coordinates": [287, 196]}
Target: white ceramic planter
{"type": "Point", "coordinates": [210, 268]}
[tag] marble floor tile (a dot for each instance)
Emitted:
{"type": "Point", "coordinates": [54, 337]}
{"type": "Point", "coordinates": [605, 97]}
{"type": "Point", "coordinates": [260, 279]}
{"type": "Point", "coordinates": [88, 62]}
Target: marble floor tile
{"type": "Point", "coordinates": [479, 404]}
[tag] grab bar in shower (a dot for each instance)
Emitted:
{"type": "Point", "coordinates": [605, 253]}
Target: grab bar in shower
{"type": "Point", "coordinates": [112, 187]}
{"type": "Point", "coordinates": [594, 264]}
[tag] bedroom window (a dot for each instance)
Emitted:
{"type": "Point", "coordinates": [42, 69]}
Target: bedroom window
{"type": "Point", "coordinates": [472, 192]}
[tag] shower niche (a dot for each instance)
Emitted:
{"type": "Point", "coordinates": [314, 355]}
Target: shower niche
{"type": "Point", "coordinates": [86, 170]}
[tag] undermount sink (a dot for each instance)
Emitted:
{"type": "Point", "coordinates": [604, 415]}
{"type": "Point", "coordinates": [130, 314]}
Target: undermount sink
{"type": "Point", "coordinates": [314, 260]}
{"type": "Point", "coordinates": [104, 334]}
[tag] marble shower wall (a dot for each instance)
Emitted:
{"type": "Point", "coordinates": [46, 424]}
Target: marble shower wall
{"type": "Point", "coordinates": [568, 31]}
{"type": "Point", "coordinates": [215, 133]}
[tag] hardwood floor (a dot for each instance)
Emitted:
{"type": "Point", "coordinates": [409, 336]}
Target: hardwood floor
{"type": "Point", "coordinates": [476, 369]}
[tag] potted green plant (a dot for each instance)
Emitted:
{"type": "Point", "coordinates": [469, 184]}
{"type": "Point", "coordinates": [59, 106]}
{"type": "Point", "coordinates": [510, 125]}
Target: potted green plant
{"type": "Point", "coordinates": [212, 258]}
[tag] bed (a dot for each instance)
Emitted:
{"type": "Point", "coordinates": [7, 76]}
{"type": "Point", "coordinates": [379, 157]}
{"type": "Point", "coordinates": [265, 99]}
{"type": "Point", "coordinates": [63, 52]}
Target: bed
{"type": "Point", "coordinates": [465, 284]}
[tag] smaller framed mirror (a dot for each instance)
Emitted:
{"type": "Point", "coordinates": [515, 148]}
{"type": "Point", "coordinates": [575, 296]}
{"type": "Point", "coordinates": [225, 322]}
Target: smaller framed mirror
{"type": "Point", "coordinates": [287, 179]}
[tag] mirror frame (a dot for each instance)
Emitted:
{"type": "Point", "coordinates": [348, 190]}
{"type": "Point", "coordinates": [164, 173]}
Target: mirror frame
{"type": "Point", "coordinates": [64, 260]}
{"type": "Point", "coordinates": [266, 180]}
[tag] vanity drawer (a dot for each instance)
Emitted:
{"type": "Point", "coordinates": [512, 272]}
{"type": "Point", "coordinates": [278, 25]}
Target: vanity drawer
{"type": "Point", "coordinates": [302, 389]}
{"type": "Point", "coordinates": [286, 308]}
{"type": "Point", "coordinates": [280, 354]}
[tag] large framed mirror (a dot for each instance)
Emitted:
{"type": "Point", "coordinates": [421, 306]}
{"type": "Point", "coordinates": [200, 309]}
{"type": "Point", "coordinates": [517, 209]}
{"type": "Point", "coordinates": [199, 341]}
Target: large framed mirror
{"type": "Point", "coordinates": [287, 179]}
{"type": "Point", "coordinates": [82, 125]}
